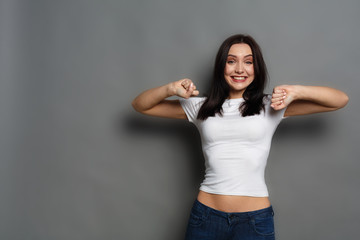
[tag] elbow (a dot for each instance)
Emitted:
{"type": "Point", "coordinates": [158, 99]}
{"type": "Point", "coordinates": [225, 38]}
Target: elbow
{"type": "Point", "coordinates": [135, 105]}
{"type": "Point", "coordinates": [343, 100]}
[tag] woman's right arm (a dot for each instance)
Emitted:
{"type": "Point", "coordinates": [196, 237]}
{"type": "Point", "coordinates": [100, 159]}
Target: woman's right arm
{"type": "Point", "coordinates": [152, 102]}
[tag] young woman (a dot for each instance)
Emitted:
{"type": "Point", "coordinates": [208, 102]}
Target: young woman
{"type": "Point", "coordinates": [236, 122]}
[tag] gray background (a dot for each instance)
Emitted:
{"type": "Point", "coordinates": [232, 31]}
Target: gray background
{"type": "Point", "coordinates": [78, 163]}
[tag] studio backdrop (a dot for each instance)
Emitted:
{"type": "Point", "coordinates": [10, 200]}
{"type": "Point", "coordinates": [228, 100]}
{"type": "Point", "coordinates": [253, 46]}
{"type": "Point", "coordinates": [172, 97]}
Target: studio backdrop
{"type": "Point", "coordinates": [77, 162]}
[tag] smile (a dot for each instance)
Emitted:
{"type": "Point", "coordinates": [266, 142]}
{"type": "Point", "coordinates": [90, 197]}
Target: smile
{"type": "Point", "coordinates": [238, 79]}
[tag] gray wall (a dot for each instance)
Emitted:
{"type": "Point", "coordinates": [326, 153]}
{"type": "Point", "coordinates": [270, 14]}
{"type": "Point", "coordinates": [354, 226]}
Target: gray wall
{"type": "Point", "coordinates": [78, 163]}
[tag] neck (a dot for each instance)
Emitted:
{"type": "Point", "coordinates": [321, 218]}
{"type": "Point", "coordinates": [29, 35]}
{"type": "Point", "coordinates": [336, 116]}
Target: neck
{"type": "Point", "coordinates": [237, 94]}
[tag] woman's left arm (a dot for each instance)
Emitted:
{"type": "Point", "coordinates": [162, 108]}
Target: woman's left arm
{"type": "Point", "coordinates": [301, 100]}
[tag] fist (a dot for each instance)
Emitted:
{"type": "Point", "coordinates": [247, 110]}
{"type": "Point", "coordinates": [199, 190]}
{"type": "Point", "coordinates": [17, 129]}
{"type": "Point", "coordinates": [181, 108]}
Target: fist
{"type": "Point", "coordinates": [185, 88]}
{"type": "Point", "coordinates": [282, 96]}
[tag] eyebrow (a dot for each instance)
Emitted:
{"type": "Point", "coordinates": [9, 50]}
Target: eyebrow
{"type": "Point", "coordinates": [230, 55]}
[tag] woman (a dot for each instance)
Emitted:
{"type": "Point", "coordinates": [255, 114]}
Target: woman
{"type": "Point", "coordinates": [236, 122]}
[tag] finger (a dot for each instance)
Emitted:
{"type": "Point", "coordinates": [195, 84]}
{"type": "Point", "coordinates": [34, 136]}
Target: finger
{"type": "Point", "coordinates": [191, 87]}
{"type": "Point", "coordinates": [279, 94]}
{"type": "Point", "coordinates": [183, 82]}
{"type": "Point", "coordinates": [195, 93]}
{"type": "Point", "coordinates": [278, 98]}
{"type": "Point", "coordinates": [277, 106]}
{"type": "Point", "coordinates": [190, 90]}
{"type": "Point", "coordinates": [188, 87]}
{"type": "Point", "coordinates": [186, 83]}
{"type": "Point", "coordinates": [279, 90]}
{"type": "Point", "coordinates": [275, 100]}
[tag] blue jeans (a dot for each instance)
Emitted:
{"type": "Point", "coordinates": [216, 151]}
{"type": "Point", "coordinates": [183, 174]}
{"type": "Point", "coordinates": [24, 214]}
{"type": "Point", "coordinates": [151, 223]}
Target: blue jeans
{"type": "Point", "coordinates": [206, 223]}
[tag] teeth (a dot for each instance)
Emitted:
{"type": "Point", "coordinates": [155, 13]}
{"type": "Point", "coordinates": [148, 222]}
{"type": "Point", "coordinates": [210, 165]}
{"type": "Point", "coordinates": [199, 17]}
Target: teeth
{"type": "Point", "coordinates": [239, 78]}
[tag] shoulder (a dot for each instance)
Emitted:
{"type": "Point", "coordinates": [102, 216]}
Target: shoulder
{"type": "Point", "coordinates": [191, 106]}
{"type": "Point", "coordinates": [192, 101]}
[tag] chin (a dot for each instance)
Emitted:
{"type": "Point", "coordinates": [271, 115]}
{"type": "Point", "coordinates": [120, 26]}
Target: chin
{"type": "Point", "coordinates": [239, 87]}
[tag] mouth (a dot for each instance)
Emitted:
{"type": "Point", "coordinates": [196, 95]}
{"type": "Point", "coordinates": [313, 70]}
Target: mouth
{"type": "Point", "coordinates": [238, 78]}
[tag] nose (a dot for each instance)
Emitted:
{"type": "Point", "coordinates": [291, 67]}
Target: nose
{"type": "Point", "coordinates": [239, 68]}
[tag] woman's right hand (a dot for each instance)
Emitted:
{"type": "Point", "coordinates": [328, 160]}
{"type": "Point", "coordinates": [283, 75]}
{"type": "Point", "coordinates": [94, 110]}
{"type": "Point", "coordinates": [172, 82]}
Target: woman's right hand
{"type": "Point", "coordinates": [184, 88]}
{"type": "Point", "coordinates": [153, 101]}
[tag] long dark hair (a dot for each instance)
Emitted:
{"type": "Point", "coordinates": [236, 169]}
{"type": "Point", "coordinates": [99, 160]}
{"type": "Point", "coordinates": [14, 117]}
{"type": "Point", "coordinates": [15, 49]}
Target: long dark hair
{"type": "Point", "coordinates": [219, 89]}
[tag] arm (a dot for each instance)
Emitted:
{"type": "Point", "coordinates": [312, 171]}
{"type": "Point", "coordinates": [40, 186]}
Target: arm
{"type": "Point", "coordinates": [301, 100]}
{"type": "Point", "coordinates": [152, 102]}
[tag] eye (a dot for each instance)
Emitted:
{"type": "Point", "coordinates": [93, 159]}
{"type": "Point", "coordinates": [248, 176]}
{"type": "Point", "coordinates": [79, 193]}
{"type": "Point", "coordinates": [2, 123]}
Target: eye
{"type": "Point", "coordinates": [230, 61]}
{"type": "Point", "coordinates": [249, 62]}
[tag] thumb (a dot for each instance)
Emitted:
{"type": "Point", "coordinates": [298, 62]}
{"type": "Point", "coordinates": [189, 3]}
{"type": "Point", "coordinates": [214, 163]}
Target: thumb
{"type": "Point", "coordinates": [195, 93]}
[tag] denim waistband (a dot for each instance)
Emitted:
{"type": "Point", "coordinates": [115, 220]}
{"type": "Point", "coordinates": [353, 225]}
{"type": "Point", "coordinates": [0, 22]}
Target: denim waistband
{"type": "Point", "coordinates": [242, 215]}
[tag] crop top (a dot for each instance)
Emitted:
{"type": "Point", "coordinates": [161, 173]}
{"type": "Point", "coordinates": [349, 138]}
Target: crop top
{"type": "Point", "coordinates": [235, 148]}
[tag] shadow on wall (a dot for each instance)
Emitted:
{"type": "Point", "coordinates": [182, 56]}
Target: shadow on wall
{"type": "Point", "coordinates": [189, 138]}
{"type": "Point", "coordinates": [304, 127]}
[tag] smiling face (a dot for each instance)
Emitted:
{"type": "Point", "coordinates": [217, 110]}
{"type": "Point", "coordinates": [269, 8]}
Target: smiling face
{"type": "Point", "coordinates": [239, 69]}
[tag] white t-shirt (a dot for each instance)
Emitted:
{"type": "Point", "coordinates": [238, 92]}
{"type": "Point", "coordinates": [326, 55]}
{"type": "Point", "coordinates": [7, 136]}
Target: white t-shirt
{"type": "Point", "coordinates": [235, 148]}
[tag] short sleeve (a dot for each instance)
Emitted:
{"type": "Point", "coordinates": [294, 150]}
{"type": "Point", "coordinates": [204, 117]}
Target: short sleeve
{"type": "Point", "coordinates": [191, 107]}
{"type": "Point", "coordinates": [274, 115]}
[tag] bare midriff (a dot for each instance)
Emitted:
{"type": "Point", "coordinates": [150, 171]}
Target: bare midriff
{"type": "Point", "coordinates": [231, 203]}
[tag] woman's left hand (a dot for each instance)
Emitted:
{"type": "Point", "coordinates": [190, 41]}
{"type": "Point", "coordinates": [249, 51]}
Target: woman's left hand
{"type": "Point", "coordinates": [307, 99]}
{"type": "Point", "coordinates": [282, 96]}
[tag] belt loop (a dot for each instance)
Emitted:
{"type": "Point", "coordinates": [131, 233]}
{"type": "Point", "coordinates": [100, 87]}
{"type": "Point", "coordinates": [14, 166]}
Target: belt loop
{"type": "Point", "coordinates": [230, 217]}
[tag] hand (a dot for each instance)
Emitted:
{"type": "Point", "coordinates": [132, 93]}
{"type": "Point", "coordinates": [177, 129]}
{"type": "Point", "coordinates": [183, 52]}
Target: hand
{"type": "Point", "coordinates": [282, 96]}
{"type": "Point", "coordinates": [184, 88]}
